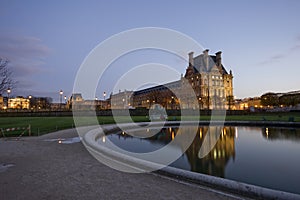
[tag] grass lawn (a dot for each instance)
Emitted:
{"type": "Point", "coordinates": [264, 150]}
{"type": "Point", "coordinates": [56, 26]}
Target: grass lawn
{"type": "Point", "coordinates": [42, 125]}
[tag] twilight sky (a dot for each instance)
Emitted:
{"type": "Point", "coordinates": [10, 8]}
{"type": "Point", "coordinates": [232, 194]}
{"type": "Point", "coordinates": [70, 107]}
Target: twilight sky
{"type": "Point", "coordinates": [46, 41]}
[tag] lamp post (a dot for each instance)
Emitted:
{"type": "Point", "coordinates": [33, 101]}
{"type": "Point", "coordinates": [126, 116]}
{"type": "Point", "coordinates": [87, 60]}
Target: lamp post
{"type": "Point", "coordinates": [172, 102]}
{"type": "Point", "coordinates": [65, 98]}
{"type": "Point", "coordinates": [60, 93]}
{"type": "Point", "coordinates": [29, 97]}
{"type": "Point", "coordinates": [200, 102]}
{"type": "Point", "coordinates": [8, 93]}
{"type": "Point", "coordinates": [104, 95]}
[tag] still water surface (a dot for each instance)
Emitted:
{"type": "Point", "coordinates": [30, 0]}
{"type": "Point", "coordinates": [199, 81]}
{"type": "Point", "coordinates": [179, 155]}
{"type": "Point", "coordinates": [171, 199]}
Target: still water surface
{"type": "Point", "coordinates": [268, 157]}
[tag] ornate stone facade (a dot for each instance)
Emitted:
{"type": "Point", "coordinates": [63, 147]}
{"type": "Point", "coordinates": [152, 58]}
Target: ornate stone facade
{"type": "Point", "coordinates": [210, 80]}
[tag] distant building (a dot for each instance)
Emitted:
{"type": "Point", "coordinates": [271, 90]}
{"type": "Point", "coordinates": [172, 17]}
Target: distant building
{"type": "Point", "coordinates": [252, 103]}
{"type": "Point", "coordinates": [76, 98]}
{"type": "Point", "coordinates": [18, 103]}
{"type": "Point", "coordinates": [76, 101]}
{"type": "Point", "coordinates": [2, 106]}
{"type": "Point", "coordinates": [121, 100]}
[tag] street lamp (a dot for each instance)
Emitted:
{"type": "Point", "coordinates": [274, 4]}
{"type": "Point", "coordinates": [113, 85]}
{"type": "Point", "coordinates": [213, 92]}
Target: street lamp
{"type": "Point", "coordinates": [60, 93]}
{"type": "Point", "coordinates": [172, 102]}
{"type": "Point", "coordinates": [104, 95]}
{"type": "Point", "coordinates": [200, 102]}
{"type": "Point", "coordinates": [8, 92]}
{"type": "Point", "coordinates": [65, 97]}
{"type": "Point", "coordinates": [29, 97]}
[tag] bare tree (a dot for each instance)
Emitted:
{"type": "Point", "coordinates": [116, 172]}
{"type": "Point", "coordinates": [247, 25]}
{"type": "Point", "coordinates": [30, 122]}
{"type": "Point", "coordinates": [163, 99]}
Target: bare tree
{"type": "Point", "coordinates": [6, 80]}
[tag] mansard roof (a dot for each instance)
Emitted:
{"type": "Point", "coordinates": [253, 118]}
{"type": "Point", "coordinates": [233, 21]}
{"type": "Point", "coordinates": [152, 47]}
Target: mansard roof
{"type": "Point", "coordinates": [166, 86]}
{"type": "Point", "coordinates": [200, 66]}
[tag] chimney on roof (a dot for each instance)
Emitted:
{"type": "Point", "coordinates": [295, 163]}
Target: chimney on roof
{"type": "Point", "coordinates": [191, 59]}
{"type": "Point", "coordinates": [219, 58]}
{"type": "Point", "coordinates": [206, 58]}
{"type": "Point", "coordinates": [205, 52]}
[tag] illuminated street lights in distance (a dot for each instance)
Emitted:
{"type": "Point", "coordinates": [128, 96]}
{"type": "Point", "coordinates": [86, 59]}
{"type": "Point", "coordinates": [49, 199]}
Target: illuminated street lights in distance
{"type": "Point", "coordinates": [30, 97]}
{"type": "Point", "coordinates": [60, 93]}
{"type": "Point", "coordinates": [8, 93]}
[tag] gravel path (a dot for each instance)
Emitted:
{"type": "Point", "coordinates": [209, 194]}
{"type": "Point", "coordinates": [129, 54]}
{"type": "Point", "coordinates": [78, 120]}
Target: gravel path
{"type": "Point", "coordinates": [32, 168]}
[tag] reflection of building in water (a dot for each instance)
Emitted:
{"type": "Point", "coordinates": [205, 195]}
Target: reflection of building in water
{"type": "Point", "coordinates": [215, 161]}
{"type": "Point", "coordinates": [292, 134]}
{"type": "Point", "coordinates": [220, 145]}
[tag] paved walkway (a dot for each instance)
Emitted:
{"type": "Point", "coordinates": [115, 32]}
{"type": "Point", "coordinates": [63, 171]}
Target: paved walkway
{"type": "Point", "coordinates": [32, 168]}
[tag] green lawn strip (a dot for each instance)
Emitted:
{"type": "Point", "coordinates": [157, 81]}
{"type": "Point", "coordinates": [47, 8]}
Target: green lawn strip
{"type": "Point", "coordinates": [43, 125]}
{"type": "Point", "coordinates": [39, 125]}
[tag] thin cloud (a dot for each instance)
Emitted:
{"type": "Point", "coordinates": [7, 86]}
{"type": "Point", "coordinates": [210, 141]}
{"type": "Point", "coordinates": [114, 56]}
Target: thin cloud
{"type": "Point", "coordinates": [295, 48]}
{"type": "Point", "coordinates": [25, 54]}
{"type": "Point", "coordinates": [27, 68]}
{"type": "Point", "coordinates": [273, 59]}
{"type": "Point", "coordinates": [22, 47]}
{"type": "Point", "coordinates": [279, 57]}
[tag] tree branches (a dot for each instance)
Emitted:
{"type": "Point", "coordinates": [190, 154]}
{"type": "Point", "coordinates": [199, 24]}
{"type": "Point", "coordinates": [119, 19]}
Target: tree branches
{"type": "Point", "coordinates": [6, 80]}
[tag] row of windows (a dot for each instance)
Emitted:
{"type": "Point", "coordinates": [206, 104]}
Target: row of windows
{"type": "Point", "coordinates": [217, 77]}
{"type": "Point", "coordinates": [214, 82]}
{"type": "Point", "coordinates": [217, 83]}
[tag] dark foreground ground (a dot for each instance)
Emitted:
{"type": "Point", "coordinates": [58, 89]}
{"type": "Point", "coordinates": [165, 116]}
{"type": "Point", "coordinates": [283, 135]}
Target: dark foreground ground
{"type": "Point", "coordinates": [32, 168]}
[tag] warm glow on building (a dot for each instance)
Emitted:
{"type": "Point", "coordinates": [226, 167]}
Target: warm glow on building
{"type": "Point", "coordinates": [2, 103]}
{"type": "Point", "coordinates": [18, 103]}
{"type": "Point", "coordinates": [248, 103]}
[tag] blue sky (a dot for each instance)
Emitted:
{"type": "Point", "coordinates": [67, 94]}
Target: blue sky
{"type": "Point", "coordinates": [46, 41]}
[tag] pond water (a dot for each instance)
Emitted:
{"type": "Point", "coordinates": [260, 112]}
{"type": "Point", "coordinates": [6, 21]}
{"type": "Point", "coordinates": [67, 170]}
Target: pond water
{"type": "Point", "coordinates": [268, 157]}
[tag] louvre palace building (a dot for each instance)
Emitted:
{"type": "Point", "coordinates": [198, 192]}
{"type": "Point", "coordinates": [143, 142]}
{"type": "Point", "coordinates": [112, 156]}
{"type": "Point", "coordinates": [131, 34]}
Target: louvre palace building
{"type": "Point", "coordinates": [207, 77]}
